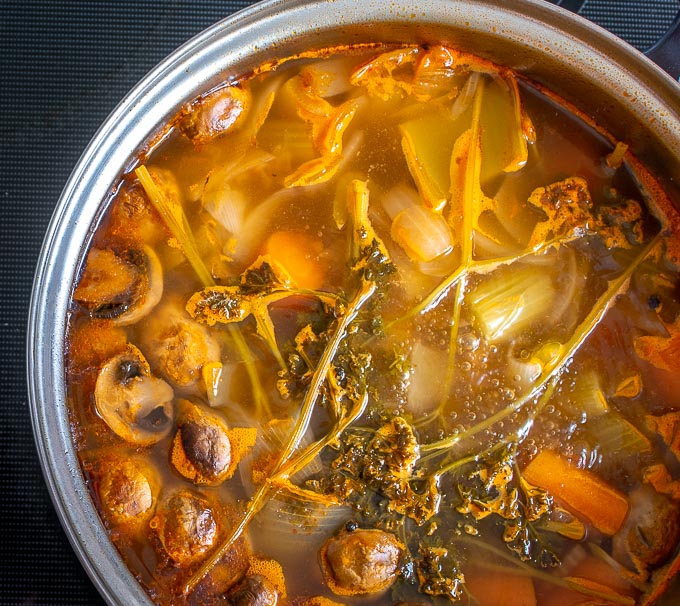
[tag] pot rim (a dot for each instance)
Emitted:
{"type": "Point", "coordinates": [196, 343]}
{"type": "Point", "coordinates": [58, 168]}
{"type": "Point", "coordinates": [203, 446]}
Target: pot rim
{"type": "Point", "coordinates": [535, 28]}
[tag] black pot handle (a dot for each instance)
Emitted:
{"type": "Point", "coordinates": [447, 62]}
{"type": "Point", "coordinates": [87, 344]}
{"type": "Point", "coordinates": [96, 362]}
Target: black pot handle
{"type": "Point", "coordinates": [666, 52]}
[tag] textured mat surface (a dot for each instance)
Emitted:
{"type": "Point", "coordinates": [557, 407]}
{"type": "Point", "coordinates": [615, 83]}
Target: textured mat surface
{"type": "Point", "coordinates": [64, 66]}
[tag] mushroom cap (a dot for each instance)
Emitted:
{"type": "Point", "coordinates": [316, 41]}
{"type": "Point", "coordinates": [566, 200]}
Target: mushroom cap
{"type": "Point", "coordinates": [216, 113]}
{"type": "Point", "coordinates": [186, 526]}
{"type": "Point", "coordinates": [128, 491]}
{"type": "Point", "coordinates": [651, 530]}
{"type": "Point", "coordinates": [360, 562]}
{"type": "Point", "coordinates": [150, 295]}
{"type": "Point", "coordinates": [136, 406]}
{"type": "Point", "coordinates": [178, 346]}
{"type": "Point", "coordinates": [253, 590]}
{"type": "Point", "coordinates": [201, 449]}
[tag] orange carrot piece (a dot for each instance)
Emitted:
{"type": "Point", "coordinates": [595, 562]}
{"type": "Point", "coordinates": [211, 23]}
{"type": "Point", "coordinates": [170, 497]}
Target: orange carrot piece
{"type": "Point", "coordinates": [298, 252]}
{"type": "Point", "coordinates": [497, 588]}
{"type": "Point", "coordinates": [580, 491]}
{"type": "Point", "coordinates": [590, 573]}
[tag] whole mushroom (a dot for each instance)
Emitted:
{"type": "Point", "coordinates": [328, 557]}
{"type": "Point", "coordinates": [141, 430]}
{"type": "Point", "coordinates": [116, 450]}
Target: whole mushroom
{"type": "Point", "coordinates": [187, 527]}
{"type": "Point", "coordinates": [362, 561]}
{"type": "Point", "coordinates": [650, 533]}
{"type": "Point", "coordinates": [253, 590]}
{"type": "Point", "coordinates": [178, 346]}
{"type": "Point", "coordinates": [201, 448]}
{"type": "Point", "coordinates": [128, 490]}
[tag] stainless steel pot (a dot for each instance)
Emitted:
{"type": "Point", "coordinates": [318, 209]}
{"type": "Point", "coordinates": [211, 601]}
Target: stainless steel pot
{"type": "Point", "coordinates": [618, 87]}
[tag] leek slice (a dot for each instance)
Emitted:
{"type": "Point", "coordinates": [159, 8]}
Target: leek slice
{"type": "Point", "coordinates": [423, 234]}
{"type": "Point", "coordinates": [510, 301]}
{"type": "Point", "coordinates": [503, 143]}
{"type": "Point", "coordinates": [618, 436]}
{"type": "Point", "coordinates": [427, 143]}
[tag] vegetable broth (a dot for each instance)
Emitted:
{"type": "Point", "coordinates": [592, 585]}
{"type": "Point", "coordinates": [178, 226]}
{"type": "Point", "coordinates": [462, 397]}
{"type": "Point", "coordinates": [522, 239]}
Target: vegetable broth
{"type": "Point", "coordinates": [387, 325]}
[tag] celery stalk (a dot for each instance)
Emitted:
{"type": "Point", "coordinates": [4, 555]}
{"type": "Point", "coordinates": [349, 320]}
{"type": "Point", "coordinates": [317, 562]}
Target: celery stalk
{"type": "Point", "coordinates": [616, 435]}
{"type": "Point", "coordinates": [173, 214]}
{"type": "Point", "coordinates": [427, 143]}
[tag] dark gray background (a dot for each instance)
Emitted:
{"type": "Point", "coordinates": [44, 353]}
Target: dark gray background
{"type": "Point", "coordinates": [64, 65]}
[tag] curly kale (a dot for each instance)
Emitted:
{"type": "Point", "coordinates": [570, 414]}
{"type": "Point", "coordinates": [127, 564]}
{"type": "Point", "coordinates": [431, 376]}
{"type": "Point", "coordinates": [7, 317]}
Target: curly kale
{"type": "Point", "coordinates": [439, 573]}
{"type": "Point", "coordinates": [496, 491]}
{"type": "Point", "coordinates": [382, 462]}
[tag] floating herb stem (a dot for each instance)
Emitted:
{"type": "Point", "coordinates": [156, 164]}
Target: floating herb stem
{"type": "Point", "coordinates": [170, 209]}
{"type": "Point", "coordinates": [551, 374]}
{"type": "Point", "coordinates": [173, 215]}
{"type": "Point", "coordinates": [287, 463]}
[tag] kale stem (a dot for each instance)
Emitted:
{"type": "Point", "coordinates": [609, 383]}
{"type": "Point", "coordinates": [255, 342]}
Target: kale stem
{"type": "Point", "coordinates": [259, 395]}
{"type": "Point", "coordinates": [471, 185]}
{"type": "Point", "coordinates": [473, 458]}
{"type": "Point", "coordinates": [472, 169]}
{"type": "Point", "coordinates": [552, 374]}
{"type": "Point", "coordinates": [302, 423]}
{"type": "Point", "coordinates": [172, 213]}
{"type": "Point", "coordinates": [453, 345]}
{"type": "Point", "coordinates": [313, 450]}
{"type": "Point", "coordinates": [284, 463]}
{"type": "Point", "coordinates": [479, 267]}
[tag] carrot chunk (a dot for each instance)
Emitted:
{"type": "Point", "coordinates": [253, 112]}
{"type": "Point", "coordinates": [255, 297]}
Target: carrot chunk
{"type": "Point", "coordinates": [298, 252]}
{"type": "Point", "coordinates": [496, 588]}
{"type": "Point", "coordinates": [582, 492]}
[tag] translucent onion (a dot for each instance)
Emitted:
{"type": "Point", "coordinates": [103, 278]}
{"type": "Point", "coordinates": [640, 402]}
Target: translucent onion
{"type": "Point", "coordinates": [442, 266]}
{"type": "Point", "coordinates": [523, 373]}
{"type": "Point", "coordinates": [464, 99]}
{"type": "Point", "coordinates": [218, 379]}
{"type": "Point", "coordinates": [510, 301]}
{"type": "Point", "coordinates": [571, 282]}
{"type": "Point", "coordinates": [426, 389]}
{"type": "Point", "coordinates": [399, 198]}
{"type": "Point", "coordinates": [227, 206]}
{"type": "Point", "coordinates": [331, 76]}
{"type": "Point", "coordinates": [256, 223]}
{"type": "Point", "coordinates": [424, 235]}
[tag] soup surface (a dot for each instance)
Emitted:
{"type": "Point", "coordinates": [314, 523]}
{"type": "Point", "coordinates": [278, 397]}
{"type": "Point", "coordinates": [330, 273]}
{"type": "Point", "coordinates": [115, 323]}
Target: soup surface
{"type": "Point", "coordinates": [383, 325]}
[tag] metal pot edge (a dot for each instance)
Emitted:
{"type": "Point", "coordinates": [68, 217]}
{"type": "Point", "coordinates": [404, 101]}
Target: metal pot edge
{"type": "Point", "coordinates": [245, 38]}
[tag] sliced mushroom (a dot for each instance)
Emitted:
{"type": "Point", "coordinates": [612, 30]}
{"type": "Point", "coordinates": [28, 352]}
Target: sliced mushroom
{"type": "Point", "coordinates": [201, 448]}
{"type": "Point", "coordinates": [178, 346]}
{"type": "Point", "coordinates": [135, 405]}
{"type": "Point", "coordinates": [128, 491]}
{"type": "Point", "coordinates": [186, 526]}
{"type": "Point", "coordinates": [123, 287]}
{"type": "Point", "coordinates": [360, 562]}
